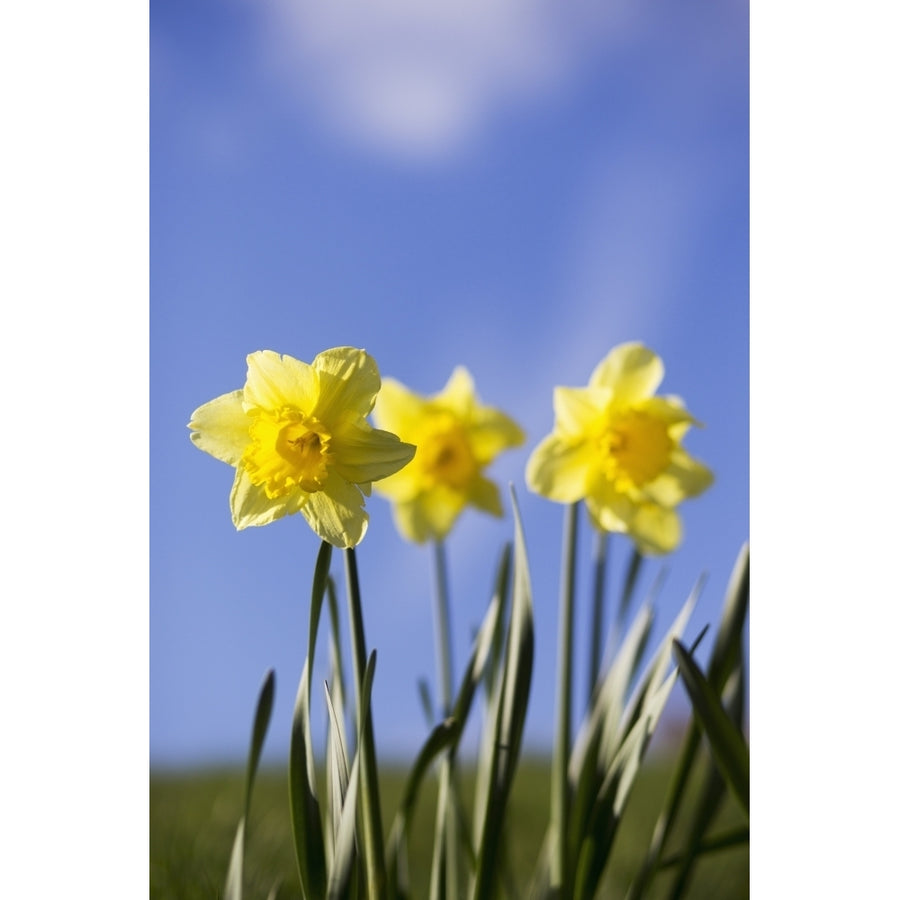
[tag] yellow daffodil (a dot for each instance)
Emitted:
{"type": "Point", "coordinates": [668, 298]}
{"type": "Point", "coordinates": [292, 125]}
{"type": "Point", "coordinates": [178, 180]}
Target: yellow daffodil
{"type": "Point", "coordinates": [618, 447]}
{"type": "Point", "coordinates": [457, 438]}
{"type": "Point", "coordinates": [298, 436]}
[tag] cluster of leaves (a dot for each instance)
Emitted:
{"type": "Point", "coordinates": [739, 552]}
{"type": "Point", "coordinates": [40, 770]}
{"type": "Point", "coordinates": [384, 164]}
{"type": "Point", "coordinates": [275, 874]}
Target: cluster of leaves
{"type": "Point", "coordinates": [339, 843]}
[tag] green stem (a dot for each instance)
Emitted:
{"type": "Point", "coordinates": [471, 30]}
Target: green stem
{"type": "Point", "coordinates": [559, 786]}
{"type": "Point", "coordinates": [448, 785]}
{"type": "Point", "coordinates": [442, 626]}
{"type": "Point", "coordinates": [597, 613]}
{"type": "Point", "coordinates": [373, 837]}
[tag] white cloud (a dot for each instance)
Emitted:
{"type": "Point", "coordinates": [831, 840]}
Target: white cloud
{"type": "Point", "coordinates": [420, 79]}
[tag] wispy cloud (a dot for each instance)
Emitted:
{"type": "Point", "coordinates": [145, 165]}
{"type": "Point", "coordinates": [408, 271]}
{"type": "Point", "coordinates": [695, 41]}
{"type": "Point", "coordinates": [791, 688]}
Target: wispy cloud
{"type": "Point", "coordinates": [422, 79]}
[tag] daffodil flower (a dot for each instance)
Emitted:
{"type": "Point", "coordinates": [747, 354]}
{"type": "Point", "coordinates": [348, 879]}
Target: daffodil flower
{"type": "Point", "coordinates": [618, 447]}
{"type": "Point", "coordinates": [298, 437]}
{"type": "Point", "coordinates": [457, 438]}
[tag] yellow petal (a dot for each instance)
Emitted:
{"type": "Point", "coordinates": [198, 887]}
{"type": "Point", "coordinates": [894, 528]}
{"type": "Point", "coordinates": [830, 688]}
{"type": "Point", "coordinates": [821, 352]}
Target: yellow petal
{"type": "Point", "coordinates": [610, 510]}
{"type": "Point", "coordinates": [363, 454]}
{"type": "Point", "coordinates": [274, 381]}
{"type": "Point", "coordinates": [399, 410]}
{"type": "Point", "coordinates": [632, 371]}
{"type": "Point", "coordinates": [348, 383]}
{"type": "Point", "coordinates": [336, 513]}
{"type": "Point", "coordinates": [684, 477]}
{"type": "Point", "coordinates": [577, 409]}
{"type": "Point", "coordinates": [458, 393]}
{"type": "Point", "coordinates": [486, 496]}
{"type": "Point", "coordinates": [656, 530]}
{"type": "Point", "coordinates": [667, 409]}
{"type": "Point", "coordinates": [401, 487]}
{"type": "Point", "coordinates": [492, 432]}
{"type": "Point", "coordinates": [221, 427]}
{"type": "Point", "coordinates": [559, 469]}
{"type": "Point", "coordinates": [430, 515]}
{"type": "Point", "coordinates": [250, 505]}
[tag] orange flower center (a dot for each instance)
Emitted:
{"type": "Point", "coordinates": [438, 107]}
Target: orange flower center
{"type": "Point", "coordinates": [287, 450]}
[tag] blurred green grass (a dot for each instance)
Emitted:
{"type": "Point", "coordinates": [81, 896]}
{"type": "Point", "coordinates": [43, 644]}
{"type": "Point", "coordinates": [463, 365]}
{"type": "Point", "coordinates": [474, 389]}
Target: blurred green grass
{"type": "Point", "coordinates": [193, 816]}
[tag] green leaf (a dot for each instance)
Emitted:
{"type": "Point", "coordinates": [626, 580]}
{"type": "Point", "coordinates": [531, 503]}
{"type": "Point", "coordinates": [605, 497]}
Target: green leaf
{"type": "Point", "coordinates": [344, 850]}
{"type": "Point", "coordinates": [615, 763]}
{"type": "Point", "coordinates": [426, 702]}
{"type": "Point", "coordinates": [338, 767]}
{"type": "Point", "coordinates": [600, 730]}
{"type": "Point", "coordinates": [712, 791]}
{"type": "Point", "coordinates": [509, 718]}
{"type": "Point", "coordinates": [631, 577]}
{"type": "Point", "coordinates": [234, 880]}
{"type": "Point", "coordinates": [306, 822]}
{"type": "Point", "coordinates": [335, 776]}
{"type": "Point", "coordinates": [725, 652]}
{"type": "Point", "coordinates": [725, 739]}
{"type": "Point", "coordinates": [729, 637]}
{"type": "Point", "coordinates": [731, 839]}
{"type": "Point", "coordinates": [372, 834]}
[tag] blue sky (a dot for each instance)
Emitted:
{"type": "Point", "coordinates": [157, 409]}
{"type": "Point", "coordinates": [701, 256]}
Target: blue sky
{"type": "Point", "coordinates": [514, 189]}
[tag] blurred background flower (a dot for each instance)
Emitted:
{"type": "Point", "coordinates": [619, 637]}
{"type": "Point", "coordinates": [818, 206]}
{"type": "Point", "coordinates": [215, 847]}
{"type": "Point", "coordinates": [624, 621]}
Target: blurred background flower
{"type": "Point", "coordinates": [456, 438]}
{"type": "Point", "coordinates": [617, 445]}
{"type": "Point", "coordinates": [512, 187]}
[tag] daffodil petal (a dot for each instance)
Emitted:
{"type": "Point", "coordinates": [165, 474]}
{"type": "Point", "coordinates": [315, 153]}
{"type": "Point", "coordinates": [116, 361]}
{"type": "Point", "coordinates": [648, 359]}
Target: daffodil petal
{"type": "Point", "coordinates": [274, 381]}
{"type": "Point", "coordinates": [348, 383]}
{"type": "Point", "coordinates": [401, 487]}
{"type": "Point", "coordinates": [458, 393]}
{"type": "Point", "coordinates": [656, 530]}
{"type": "Point", "coordinates": [632, 371]}
{"type": "Point", "coordinates": [221, 427]}
{"type": "Point", "coordinates": [491, 433]}
{"type": "Point", "coordinates": [367, 454]}
{"type": "Point", "coordinates": [429, 516]}
{"type": "Point", "coordinates": [577, 409]}
{"type": "Point", "coordinates": [559, 469]}
{"type": "Point", "coordinates": [667, 409]}
{"type": "Point", "coordinates": [250, 505]}
{"type": "Point", "coordinates": [486, 496]}
{"type": "Point", "coordinates": [399, 410]}
{"type": "Point", "coordinates": [684, 477]}
{"type": "Point", "coordinates": [610, 510]}
{"type": "Point", "coordinates": [336, 513]}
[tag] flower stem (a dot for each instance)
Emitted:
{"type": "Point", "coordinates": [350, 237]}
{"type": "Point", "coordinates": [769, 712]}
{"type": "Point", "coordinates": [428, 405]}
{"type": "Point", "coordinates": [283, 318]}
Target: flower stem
{"type": "Point", "coordinates": [559, 787]}
{"type": "Point", "coordinates": [597, 613]}
{"type": "Point", "coordinates": [442, 626]}
{"type": "Point", "coordinates": [373, 837]}
{"type": "Point", "coordinates": [448, 781]}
